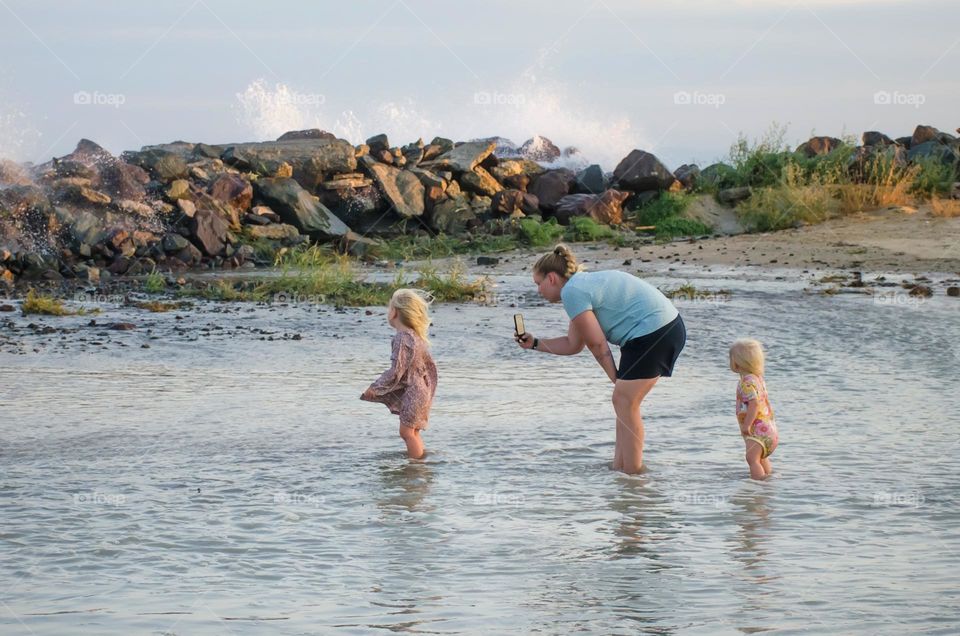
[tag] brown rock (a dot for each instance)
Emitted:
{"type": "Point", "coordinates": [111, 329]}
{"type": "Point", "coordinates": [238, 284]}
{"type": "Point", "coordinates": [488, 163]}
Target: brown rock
{"type": "Point", "coordinates": [233, 190]}
{"type": "Point", "coordinates": [606, 208]}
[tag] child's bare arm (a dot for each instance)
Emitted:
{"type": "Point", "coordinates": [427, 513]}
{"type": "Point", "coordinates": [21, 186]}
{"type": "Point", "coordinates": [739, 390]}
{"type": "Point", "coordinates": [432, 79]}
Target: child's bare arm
{"type": "Point", "coordinates": [747, 417]}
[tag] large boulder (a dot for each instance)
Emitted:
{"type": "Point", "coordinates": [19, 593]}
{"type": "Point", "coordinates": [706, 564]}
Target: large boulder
{"type": "Point", "coordinates": [163, 165]}
{"type": "Point", "coordinates": [209, 232]}
{"type": "Point", "coordinates": [539, 149]}
{"type": "Point", "coordinates": [401, 188]}
{"type": "Point", "coordinates": [923, 134]}
{"type": "Point", "coordinates": [311, 160]}
{"type": "Point", "coordinates": [453, 216]}
{"type": "Point", "coordinates": [299, 208]}
{"type": "Point", "coordinates": [462, 158]}
{"type": "Point", "coordinates": [12, 173]}
{"type": "Point", "coordinates": [819, 146]}
{"type": "Point", "coordinates": [606, 208]}
{"type": "Point", "coordinates": [479, 181]}
{"type": "Point", "coordinates": [641, 171]}
{"type": "Point", "coordinates": [552, 186]}
{"type": "Point", "coordinates": [947, 155]}
{"type": "Point", "coordinates": [719, 175]}
{"type": "Point", "coordinates": [876, 138]}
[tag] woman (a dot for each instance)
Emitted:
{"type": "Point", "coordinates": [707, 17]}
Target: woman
{"type": "Point", "coordinates": [613, 306]}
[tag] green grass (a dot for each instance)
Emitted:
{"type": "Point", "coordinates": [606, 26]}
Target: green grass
{"type": "Point", "coordinates": [318, 275]}
{"type": "Point", "coordinates": [46, 305]}
{"type": "Point", "coordinates": [933, 178]}
{"type": "Point", "coordinates": [666, 213]}
{"type": "Point", "coordinates": [154, 283]}
{"type": "Point", "coordinates": [539, 233]}
{"type": "Point", "coordinates": [420, 247]}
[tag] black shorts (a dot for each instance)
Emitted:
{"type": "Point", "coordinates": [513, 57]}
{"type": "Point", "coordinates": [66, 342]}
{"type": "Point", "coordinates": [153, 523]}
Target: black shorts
{"type": "Point", "coordinates": [654, 354]}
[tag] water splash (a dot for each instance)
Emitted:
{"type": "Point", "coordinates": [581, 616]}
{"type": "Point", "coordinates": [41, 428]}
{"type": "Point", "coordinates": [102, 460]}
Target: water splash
{"type": "Point", "coordinates": [525, 108]}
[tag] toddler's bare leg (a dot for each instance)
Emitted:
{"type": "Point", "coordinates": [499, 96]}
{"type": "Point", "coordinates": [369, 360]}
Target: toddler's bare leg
{"type": "Point", "coordinates": [412, 439]}
{"type": "Point", "coordinates": [754, 450]}
{"type": "Point", "coordinates": [767, 466]}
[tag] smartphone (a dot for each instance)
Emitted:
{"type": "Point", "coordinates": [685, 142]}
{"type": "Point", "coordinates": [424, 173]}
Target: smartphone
{"type": "Point", "coordinates": [518, 325]}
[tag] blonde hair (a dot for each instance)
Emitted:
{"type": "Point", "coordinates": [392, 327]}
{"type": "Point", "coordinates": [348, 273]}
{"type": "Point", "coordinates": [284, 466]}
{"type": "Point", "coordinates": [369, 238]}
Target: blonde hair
{"type": "Point", "coordinates": [560, 261]}
{"type": "Point", "coordinates": [412, 310]}
{"type": "Point", "coordinates": [747, 356]}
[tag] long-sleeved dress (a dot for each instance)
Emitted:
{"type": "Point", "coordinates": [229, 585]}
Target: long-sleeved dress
{"type": "Point", "coordinates": [408, 386]}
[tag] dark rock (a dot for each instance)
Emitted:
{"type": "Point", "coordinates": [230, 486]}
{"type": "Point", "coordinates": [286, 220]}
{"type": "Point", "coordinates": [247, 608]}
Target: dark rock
{"type": "Point", "coordinates": [487, 260]}
{"type": "Point", "coordinates": [591, 180]}
{"type": "Point", "coordinates": [514, 203]}
{"type": "Point", "coordinates": [233, 190]}
{"type": "Point", "coordinates": [904, 141]}
{"type": "Point", "coordinates": [312, 133]}
{"type": "Point", "coordinates": [819, 146]}
{"type": "Point", "coordinates": [122, 326]}
{"type": "Point", "coordinates": [174, 243]}
{"type": "Point", "coordinates": [719, 175]}
{"type": "Point", "coordinates": [947, 155]}
{"type": "Point", "coordinates": [452, 216]}
{"type": "Point", "coordinates": [163, 165]}
{"type": "Point", "coordinates": [606, 208]}
{"type": "Point", "coordinates": [122, 180]}
{"type": "Point", "coordinates": [310, 159]}
{"type": "Point", "coordinates": [953, 291]}
{"type": "Point", "coordinates": [357, 246]}
{"type": "Point", "coordinates": [923, 134]}
{"type": "Point", "coordinates": [641, 171]}
{"type": "Point", "coordinates": [209, 232]}
{"type": "Point", "coordinates": [378, 143]}
{"type": "Point", "coordinates": [687, 175]}
{"type": "Point", "coordinates": [206, 151]}
{"type": "Point", "coordinates": [874, 138]}
{"type": "Point", "coordinates": [552, 186]}
{"type": "Point", "coordinates": [732, 196]}
{"type": "Point", "coordinates": [517, 182]}
{"type": "Point", "coordinates": [298, 208]}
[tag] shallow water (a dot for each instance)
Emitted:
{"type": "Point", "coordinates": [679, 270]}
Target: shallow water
{"type": "Point", "coordinates": [223, 482]}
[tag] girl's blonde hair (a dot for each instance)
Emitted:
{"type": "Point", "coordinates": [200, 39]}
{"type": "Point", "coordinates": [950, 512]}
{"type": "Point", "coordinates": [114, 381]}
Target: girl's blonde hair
{"type": "Point", "coordinates": [747, 356]}
{"type": "Point", "coordinates": [412, 310]}
{"type": "Point", "coordinates": [560, 261]}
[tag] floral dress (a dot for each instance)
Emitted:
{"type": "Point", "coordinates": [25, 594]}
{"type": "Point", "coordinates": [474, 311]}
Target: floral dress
{"type": "Point", "coordinates": [408, 386]}
{"type": "Point", "coordinates": [763, 429]}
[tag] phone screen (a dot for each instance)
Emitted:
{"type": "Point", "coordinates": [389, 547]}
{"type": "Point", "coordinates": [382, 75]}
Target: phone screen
{"type": "Point", "coordinates": [518, 324]}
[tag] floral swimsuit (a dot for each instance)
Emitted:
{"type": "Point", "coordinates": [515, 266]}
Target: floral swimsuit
{"type": "Point", "coordinates": [763, 429]}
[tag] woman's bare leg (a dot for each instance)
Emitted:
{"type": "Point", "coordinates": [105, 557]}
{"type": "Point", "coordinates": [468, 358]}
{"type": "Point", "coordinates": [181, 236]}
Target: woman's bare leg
{"type": "Point", "coordinates": [411, 437]}
{"type": "Point", "coordinates": [627, 397]}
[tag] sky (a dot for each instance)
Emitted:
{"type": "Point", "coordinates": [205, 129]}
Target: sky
{"type": "Point", "coordinates": [681, 79]}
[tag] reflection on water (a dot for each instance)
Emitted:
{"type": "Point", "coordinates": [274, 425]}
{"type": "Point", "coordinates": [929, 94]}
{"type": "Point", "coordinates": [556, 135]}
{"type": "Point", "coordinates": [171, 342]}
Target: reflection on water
{"type": "Point", "coordinates": [233, 484]}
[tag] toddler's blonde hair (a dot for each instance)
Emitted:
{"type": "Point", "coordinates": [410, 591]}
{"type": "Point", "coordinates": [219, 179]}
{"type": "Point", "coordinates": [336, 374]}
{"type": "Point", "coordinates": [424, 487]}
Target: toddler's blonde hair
{"type": "Point", "coordinates": [747, 356]}
{"type": "Point", "coordinates": [412, 310]}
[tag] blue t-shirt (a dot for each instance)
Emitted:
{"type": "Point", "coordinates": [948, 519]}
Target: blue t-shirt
{"type": "Point", "coordinates": [626, 307]}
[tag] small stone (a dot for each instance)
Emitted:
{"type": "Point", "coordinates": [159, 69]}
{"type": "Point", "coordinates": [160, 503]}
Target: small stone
{"type": "Point", "coordinates": [487, 260]}
{"type": "Point", "coordinates": [122, 326]}
{"type": "Point", "coordinates": [953, 291]}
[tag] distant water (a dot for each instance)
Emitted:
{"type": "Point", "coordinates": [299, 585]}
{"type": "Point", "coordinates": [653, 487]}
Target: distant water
{"type": "Point", "coordinates": [220, 483]}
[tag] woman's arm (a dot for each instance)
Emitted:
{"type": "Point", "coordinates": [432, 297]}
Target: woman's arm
{"type": "Point", "coordinates": [584, 331]}
{"type": "Point", "coordinates": [590, 333]}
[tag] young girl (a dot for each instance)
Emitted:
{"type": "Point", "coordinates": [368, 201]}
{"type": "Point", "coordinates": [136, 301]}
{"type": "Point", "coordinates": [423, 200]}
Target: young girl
{"type": "Point", "coordinates": [757, 426]}
{"type": "Point", "coordinates": [408, 386]}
